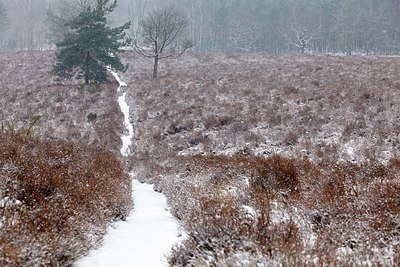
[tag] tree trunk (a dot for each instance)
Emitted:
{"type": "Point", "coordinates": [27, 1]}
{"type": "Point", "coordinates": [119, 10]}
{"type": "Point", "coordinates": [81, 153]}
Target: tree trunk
{"type": "Point", "coordinates": [156, 58]}
{"type": "Point", "coordinates": [302, 46]}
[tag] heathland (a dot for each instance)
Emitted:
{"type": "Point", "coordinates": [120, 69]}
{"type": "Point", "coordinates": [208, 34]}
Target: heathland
{"type": "Point", "coordinates": [265, 159]}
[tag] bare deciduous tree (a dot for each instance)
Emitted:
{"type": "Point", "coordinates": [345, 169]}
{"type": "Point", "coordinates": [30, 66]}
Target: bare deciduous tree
{"type": "Point", "coordinates": [242, 37]}
{"type": "Point", "coordinates": [160, 34]}
{"type": "Point", "coordinates": [300, 36]}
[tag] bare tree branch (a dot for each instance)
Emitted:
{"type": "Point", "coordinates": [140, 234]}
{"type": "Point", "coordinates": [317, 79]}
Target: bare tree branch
{"type": "Point", "coordinates": [160, 33]}
{"type": "Point", "coordinates": [300, 36]}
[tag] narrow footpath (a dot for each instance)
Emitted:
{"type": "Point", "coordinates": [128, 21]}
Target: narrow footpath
{"type": "Point", "coordinates": [148, 234]}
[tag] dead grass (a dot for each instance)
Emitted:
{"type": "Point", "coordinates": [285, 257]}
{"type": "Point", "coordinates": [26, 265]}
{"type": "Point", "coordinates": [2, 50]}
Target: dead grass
{"type": "Point", "coordinates": [285, 160]}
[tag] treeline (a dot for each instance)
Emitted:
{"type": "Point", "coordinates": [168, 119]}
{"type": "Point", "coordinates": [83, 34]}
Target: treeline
{"type": "Point", "coordinates": [273, 26]}
{"type": "Point", "coordinates": [23, 24]}
{"type": "Point", "coordinates": [279, 26]}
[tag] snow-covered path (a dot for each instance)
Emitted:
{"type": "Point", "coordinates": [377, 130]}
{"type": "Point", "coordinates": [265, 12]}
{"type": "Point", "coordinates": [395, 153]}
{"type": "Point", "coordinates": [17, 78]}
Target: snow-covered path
{"type": "Point", "coordinates": [126, 139]}
{"type": "Point", "coordinates": [148, 234]}
{"type": "Point", "coordinates": [143, 240]}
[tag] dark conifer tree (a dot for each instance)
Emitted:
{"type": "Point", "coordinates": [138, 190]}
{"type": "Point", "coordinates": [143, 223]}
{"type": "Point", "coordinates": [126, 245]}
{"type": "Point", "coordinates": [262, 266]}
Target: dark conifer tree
{"type": "Point", "coordinates": [91, 45]}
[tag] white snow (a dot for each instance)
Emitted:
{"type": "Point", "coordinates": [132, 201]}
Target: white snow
{"type": "Point", "coordinates": [144, 239]}
{"type": "Point", "coordinates": [7, 202]}
{"type": "Point", "coordinates": [150, 231]}
{"type": "Point", "coordinates": [249, 212]}
{"type": "Point", "coordinates": [126, 139]}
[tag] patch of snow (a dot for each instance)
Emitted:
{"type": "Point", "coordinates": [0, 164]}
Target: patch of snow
{"type": "Point", "coordinates": [126, 139]}
{"type": "Point", "coordinates": [249, 212]}
{"type": "Point", "coordinates": [343, 252]}
{"type": "Point", "coordinates": [312, 239]}
{"type": "Point", "coordinates": [8, 202]}
{"type": "Point", "coordinates": [246, 180]}
{"type": "Point", "coordinates": [231, 191]}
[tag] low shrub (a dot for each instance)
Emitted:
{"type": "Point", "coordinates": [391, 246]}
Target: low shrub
{"type": "Point", "coordinates": [282, 212]}
{"type": "Point", "coordinates": [92, 117]}
{"type": "Point", "coordinates": [275, 174]}
{"type": "Point", "coordinates": [55, 199]}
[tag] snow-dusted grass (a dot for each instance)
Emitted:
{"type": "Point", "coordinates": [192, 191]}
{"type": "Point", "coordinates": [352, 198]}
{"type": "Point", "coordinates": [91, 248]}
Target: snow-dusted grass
{"type": "Point", "coordinates": [335, 119]}
{"type": "Point", "coordinates": [315, 106]}
{"type": "Point", "coordinates": [281, 211]}
{"type": "Point", "coordinates": [66, 109]}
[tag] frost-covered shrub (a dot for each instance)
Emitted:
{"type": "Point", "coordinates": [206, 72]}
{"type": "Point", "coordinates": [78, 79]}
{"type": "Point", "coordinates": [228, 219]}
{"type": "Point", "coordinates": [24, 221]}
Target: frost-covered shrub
{"type": "Point", "coordinates": [318, 112]}
{"type": "Point", "coordinates": [62, 107]}
{"type": "Point", "coordinates": [318, 218]}
{"type": "Point", "coordinates": [275, 174]}
{"type": "Point", "coordinates": [56, 199]}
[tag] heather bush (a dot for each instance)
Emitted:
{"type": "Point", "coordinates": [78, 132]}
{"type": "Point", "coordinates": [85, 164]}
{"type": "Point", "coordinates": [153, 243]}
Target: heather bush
{"type": "Point", "coordinates": [275, 174]}
{"type": "Point", "coordinates": [320, 214]}
{"type": "Point", "coordinates": [61, 181]}
{"type": "Point", "coordinates": [56, 199]}
{"type": "Point", "coordinates": [287, 102]}
{"type": "Point", "coordinates": [220, 113]}
{"type": "Point", "coordinates": [327, 197]}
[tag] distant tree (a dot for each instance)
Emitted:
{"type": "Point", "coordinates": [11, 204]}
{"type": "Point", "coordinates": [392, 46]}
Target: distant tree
{"type": "Point", "coordinates": [31, 17]}
{"type": "Point", "coordinates": [59, 15]}
{"type": "Point", "coordinates": [303, 25]}
{"type": "Point", "coordinates": [91, 46]}
{"type": "Point", "coordinates": [160, 33]}
{"type": "Point", "coordinates": [134, 10]}
{"type": "Point", "coordinates": [300, 36]}
{"type": "Point", "coordinates": [3, 16]}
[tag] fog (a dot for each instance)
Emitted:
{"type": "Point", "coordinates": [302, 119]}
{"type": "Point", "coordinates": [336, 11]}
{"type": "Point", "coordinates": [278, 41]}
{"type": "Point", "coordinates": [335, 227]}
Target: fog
{"type": "Point", "coordinates": [273, 26]}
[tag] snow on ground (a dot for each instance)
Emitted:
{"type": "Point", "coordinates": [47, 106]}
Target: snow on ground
{"type": "Point", "coordinates": [148, 234]}
{"type": "Point", "coordinates": [126, 139]}
{"type": "Point", "coordinates": [144, 239]}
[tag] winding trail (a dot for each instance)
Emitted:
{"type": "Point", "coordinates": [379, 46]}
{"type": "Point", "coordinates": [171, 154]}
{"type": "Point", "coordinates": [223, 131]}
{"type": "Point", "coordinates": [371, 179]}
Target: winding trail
{"type": "Point", "coordinates": [126, 139]}
{"type": "Point", "coordinates": [148, 234]}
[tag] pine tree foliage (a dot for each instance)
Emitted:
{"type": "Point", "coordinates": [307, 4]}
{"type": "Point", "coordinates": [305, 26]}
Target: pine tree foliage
{"type": "Point", "coordinates": [91, 46]}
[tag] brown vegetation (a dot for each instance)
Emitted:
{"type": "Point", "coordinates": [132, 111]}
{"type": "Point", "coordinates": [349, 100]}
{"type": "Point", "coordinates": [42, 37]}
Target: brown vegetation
{"type": "Point", "coordinates": [243, 210]}
{"type": "Point", "coordinates": [61, 179]}
{"type": "Point", "coordinates": [278, 160]}
{"type": "Point", "coordinates": [56, 199]}
{"type": "Point", "coordinates": [273, 160]}
{"type": "Point", "coordinates": [314, 106]}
